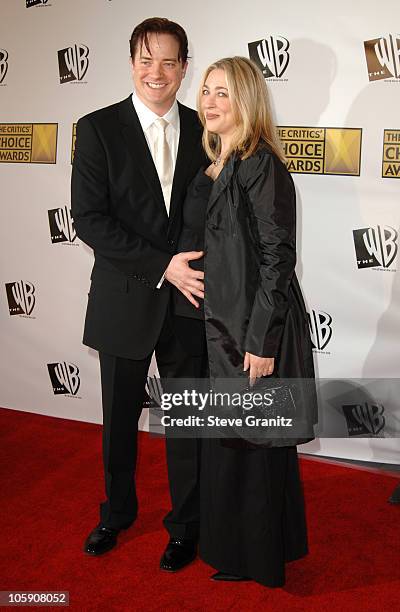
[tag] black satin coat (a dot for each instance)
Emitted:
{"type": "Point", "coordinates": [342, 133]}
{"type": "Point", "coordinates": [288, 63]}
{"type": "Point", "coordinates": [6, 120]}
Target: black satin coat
{"type": "Point", "coordinates": [253, 300]}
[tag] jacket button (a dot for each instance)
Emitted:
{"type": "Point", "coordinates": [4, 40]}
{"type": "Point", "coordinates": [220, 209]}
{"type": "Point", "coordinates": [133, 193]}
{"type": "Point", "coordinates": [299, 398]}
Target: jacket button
{"type": "Point", "coordinates": [171, 242]}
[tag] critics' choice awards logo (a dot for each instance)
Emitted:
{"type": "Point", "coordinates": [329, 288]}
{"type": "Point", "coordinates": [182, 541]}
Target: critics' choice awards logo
{"type": "Point", "coordinates": [64, 378]}
{"type": "Point", "coordinates": [3, 64]}
{"type": "Point", "coordinates": [364, 419]}
{"type": "Point", "coordinates": [320, 324]}
{"type": "Point", "coordinates": [271, 55]}
{"type": "Point", "coordinates": [30, 3]}
{"type": "Point", "coordinates": [391, 154]}
{"type": "Point", "coordinates": [376, 247]}
{"type": "Point", "coordinates": [319, 150]}
{"type": "Point", "coordinates": [383, 57]}
{"type": "Point", "coordinates": [29, 143]}
{"type": "Point", "coordinates": [21, 297]}
{"type": "Point", "coordinates": [73, 63]}
{"type": "Point", "coordinates": [61, 225]}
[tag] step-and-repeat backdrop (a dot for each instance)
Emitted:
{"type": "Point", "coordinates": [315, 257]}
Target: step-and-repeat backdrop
{"type": "Point", "coordinates": [333, 70]}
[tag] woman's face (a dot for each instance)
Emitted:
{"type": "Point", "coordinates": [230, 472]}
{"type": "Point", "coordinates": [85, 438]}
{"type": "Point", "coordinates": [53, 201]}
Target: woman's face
{"type": "Point", "coordinates": [216, 105]}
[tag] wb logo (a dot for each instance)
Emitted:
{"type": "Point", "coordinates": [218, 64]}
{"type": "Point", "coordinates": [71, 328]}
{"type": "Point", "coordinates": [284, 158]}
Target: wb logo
{"type": "Point", "coordinates": [3, 64]}
{"type": "Point", "coordinates": [375, 247]}
{"type": "Point", "coordinates": [61, 225]}
{"type": "Point", "coordinates": [367, 419]}
{"type": "Point", "coordinates": [154, 392]}
{"type": "Point", "coordinates": [271, 55]}
{"type": "Point", "coordinates": [64, 378]}
{"type": "Point", "coordinates": [21, 297]}
{"type": "Point", "coordinates": [320, 328]}
{"type": "Point", "coordinates": [30, 3]}
{"type": "Point", "coordinates": [73, 63]}
{"type": "Point", "coordinates": [383, 57]}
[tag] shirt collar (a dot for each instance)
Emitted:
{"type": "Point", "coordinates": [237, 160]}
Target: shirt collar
{"type": "Point", "coordinates": [147, 117]}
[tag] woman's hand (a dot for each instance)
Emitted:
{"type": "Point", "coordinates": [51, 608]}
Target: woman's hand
{"type": "Point", "coordinates": [259, 366]}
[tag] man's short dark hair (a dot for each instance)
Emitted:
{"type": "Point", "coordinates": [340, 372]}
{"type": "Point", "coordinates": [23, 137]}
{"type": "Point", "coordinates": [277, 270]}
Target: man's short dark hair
{"type": "Point", "coordinates": [159, 25]}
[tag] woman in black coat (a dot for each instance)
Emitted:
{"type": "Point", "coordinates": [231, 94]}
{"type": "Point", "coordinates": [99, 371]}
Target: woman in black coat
{"type": "Point", "coordinates": [252, 507]}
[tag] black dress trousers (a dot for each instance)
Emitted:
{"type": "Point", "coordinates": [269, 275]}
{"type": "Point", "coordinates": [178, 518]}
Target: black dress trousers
{"type": "Point", "coordinates": [123, 389]}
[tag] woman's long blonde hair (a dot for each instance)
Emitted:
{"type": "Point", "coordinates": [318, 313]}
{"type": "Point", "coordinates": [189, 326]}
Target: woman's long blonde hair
{"type": "Point", "coordinates": [251, 109]}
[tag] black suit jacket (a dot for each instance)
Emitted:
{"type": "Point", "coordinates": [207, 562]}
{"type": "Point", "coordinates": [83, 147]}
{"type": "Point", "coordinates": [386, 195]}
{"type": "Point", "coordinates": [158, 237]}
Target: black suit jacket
{"type": "Point", "coordinates": [119, 211]}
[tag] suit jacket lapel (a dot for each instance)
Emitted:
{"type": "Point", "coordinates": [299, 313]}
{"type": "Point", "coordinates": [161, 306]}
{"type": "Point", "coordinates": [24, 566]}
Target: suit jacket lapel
{"type": "Point", "coordinates": [136, 143]}
{"type": "Point", "coordinates": [190, 133]}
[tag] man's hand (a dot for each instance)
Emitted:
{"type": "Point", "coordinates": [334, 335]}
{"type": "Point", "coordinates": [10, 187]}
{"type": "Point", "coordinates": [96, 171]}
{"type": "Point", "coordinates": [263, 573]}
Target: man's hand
{"type": "Point", "coordinates": [259, 366]}
{"type": "Point", "coordinates": [188, 281]}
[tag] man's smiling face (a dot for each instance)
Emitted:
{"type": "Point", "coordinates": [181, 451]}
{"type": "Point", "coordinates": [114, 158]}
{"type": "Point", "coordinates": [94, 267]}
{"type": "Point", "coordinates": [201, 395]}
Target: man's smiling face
{"type": "Point", "coordinates": [157, 75]}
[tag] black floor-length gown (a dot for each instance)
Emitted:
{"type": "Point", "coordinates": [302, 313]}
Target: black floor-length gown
{"type": "Point", "coordinates": [252, 505]}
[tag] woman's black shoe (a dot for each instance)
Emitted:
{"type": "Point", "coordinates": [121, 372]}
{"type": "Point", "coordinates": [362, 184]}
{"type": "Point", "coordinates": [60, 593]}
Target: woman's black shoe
{"type": "Point", "coordinates": [222, 576]}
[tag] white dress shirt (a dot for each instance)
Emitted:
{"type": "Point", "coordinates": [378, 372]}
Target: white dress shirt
{"type": "Point", "coordinates": [172, 131]}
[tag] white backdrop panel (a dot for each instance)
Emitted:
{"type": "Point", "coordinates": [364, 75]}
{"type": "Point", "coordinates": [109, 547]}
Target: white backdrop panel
{"type": "Point", "coordinates": [325, 84]}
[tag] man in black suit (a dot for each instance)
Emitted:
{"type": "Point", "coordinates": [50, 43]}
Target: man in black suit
{"type": "Point", "coordinates": [133, 161]}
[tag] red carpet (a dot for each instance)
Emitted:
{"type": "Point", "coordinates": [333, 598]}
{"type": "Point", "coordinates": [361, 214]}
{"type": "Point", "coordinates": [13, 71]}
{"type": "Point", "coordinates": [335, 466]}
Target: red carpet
{"type": "Point", "coordinates": [51, 484]}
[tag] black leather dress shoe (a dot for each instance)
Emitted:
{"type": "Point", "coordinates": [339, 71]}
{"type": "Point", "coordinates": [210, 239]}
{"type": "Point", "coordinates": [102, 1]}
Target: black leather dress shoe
{"type": "Point", "coordinates": [395, 496]}
{"type": "Point", "coordinates": [178, 554]}
{"type": "Point", "coordinates": [222, 576]}
{"type": "Point", "coordinates": [100, 540]}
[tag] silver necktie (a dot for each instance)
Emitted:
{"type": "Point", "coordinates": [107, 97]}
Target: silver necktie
{"type": "Point", "coordinates": [163, 157]}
